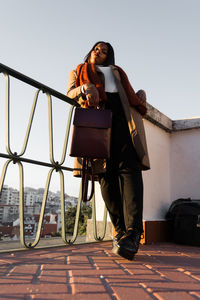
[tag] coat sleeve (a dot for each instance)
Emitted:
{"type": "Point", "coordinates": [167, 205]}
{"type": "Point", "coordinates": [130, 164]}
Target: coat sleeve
{"type": "Point", "coordinates": [74, 92]}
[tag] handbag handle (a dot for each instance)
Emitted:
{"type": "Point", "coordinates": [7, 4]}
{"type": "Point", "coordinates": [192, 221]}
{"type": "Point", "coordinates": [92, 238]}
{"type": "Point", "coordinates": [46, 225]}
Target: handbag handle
{"type": "Point", "coordinates": [85, 179]}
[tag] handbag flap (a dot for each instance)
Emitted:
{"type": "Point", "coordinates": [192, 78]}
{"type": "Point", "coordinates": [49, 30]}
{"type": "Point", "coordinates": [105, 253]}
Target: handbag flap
{"type": "Point", "coordinates": [89, 117]}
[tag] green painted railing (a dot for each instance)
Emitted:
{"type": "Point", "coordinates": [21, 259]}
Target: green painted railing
{"type": "Point", "coordinates": [54, 166]}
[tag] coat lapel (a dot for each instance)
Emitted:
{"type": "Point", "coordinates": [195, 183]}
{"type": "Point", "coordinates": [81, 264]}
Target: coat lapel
{"type": "Point", "coordinates": [135, 123]}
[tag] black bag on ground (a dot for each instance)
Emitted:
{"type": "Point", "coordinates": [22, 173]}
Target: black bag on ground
{"type": "Point", "coordinates": [183, 217]}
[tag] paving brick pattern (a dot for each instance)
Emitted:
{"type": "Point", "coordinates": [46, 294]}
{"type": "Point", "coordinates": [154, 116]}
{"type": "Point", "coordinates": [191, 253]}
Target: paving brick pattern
{"type": "Point", "coordinates": [92, 271]}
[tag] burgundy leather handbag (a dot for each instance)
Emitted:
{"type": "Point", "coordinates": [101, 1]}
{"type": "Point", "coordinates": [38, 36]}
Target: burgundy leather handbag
{"type": "Point", "coordinates": [91, 137]}
{"type": "Point", "coordinates": [91, 133]}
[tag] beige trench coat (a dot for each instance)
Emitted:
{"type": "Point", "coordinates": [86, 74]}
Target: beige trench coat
{"type": "Point", "coordinates": [133, 117]}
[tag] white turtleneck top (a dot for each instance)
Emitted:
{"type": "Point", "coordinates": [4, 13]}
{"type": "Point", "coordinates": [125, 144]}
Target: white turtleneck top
{"type": "Point", "coordinates": [110, 84]}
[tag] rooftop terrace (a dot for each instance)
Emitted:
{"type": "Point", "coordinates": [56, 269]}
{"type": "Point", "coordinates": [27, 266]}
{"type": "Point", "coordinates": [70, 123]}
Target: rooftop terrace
{"type": "Point", "coordinates": [92, 271]}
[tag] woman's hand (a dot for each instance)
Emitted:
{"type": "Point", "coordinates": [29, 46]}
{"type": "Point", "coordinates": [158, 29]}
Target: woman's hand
{"type": "Point", "coordinates": [142, 96]}
{"type": "Point", "coordinates": [143, 99]}
{"type": "Point", "coordinates": [92, 94]}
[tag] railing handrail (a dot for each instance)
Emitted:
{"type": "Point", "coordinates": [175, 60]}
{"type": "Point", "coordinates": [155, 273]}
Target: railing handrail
{"type": "Point", "coordinates": [55, 166]}
{"type": "Point", "coordinates": [36, 84]}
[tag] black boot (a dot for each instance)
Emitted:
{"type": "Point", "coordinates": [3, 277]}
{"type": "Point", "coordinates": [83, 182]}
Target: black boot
{"type": "Point", "coordinates": [128, 245]}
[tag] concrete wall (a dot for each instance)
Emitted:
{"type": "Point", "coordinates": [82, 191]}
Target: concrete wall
{"type": "Point", "coordinates": [185, 164]}
{"type": "Point", "coordinates": [157, 179]}
{"type": "Point", "coordinates": [174, 150]}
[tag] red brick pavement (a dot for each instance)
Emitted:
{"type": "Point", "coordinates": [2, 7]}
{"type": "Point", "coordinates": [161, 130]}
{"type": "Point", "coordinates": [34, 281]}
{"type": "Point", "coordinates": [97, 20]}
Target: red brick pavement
{"type": "Point", "coordinates": [91, 271]}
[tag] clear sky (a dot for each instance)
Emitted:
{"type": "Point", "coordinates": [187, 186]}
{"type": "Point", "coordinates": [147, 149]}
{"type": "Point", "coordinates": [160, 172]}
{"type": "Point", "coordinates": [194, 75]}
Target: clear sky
{"type": "Point", "coordinates": [156, 42]}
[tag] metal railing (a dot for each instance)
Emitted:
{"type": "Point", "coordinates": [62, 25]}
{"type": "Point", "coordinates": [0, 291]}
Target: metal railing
{"type": "Point", "coordinates": [54, 166]}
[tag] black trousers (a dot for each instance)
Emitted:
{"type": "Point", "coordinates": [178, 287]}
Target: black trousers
{"type": "Point", "coordinates": [122, 185]}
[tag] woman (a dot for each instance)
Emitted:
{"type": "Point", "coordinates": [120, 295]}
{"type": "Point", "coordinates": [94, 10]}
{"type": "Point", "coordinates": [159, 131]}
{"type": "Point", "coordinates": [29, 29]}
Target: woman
{"type": "Point", "coordinates": [98, 82]}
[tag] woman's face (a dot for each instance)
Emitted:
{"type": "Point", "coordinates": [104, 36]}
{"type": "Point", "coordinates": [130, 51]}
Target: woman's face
{"type": "Point", "coordinates": [99, 54]}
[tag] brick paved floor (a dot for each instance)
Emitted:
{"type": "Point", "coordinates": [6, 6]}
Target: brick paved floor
{"type": "Point", "coordinates": [91, 271]}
